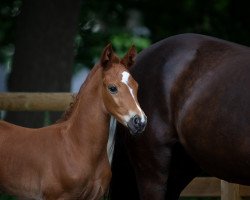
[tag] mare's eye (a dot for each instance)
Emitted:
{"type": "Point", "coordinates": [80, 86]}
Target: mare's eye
{"type": "Point", "coordinates": [112, 89]}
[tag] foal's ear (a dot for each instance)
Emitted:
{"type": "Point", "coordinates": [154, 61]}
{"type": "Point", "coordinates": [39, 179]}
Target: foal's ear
{"type": "Point", "coordinates": [106, 55]}
{"type": "Point", "coordinates": [129, 58]}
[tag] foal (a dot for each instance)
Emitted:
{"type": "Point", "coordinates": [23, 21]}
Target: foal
{"type": "Point", "coordinates": [68, 160]}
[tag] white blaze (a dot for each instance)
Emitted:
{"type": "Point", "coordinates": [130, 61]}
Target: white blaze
{"type": "Point", "coordinates": [125, 78]}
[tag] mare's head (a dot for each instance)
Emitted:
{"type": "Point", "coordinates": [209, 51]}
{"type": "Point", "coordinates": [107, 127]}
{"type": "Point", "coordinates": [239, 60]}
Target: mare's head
{"type": "Point", "coordinates": [120, 90]}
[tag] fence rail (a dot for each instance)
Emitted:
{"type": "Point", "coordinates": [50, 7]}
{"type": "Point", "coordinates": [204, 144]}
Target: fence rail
{"type": "Point", "coordinates": [214, 187]}
{"type": "Point", "coordinates": [199, 187]}
{"type": "Point", "coordinates": [21, 101]}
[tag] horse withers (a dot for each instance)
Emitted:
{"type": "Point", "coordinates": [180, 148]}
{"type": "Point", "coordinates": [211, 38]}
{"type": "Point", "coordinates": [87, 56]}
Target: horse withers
{"type": "Point", "coordinates": [68, 160]}
{"type": "Point", "coordinates": [195, 92]}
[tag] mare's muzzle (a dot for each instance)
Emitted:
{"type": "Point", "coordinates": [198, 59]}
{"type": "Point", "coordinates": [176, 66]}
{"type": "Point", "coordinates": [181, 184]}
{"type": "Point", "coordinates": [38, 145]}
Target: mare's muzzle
{"type": "Point", "coordinates": [136, 125]}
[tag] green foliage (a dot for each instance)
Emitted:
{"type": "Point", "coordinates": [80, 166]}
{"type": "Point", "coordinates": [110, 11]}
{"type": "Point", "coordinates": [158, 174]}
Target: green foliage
{"type": "Point", "coordinates": [9, 9]}
{"type": "Point", "coordinates": [7, 197]}
{"type": "Point", "coordinates": [102, 22]}
{"type": "Point", "coordinates": [123, 41]}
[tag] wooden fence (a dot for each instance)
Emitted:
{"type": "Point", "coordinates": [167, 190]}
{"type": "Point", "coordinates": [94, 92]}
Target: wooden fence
{"type": "Point", "coordinates": [199, 187]}
{"type": "Point", "coordinates": [20, 101]}
{"type": "Point", "coordinates": [214, 187]}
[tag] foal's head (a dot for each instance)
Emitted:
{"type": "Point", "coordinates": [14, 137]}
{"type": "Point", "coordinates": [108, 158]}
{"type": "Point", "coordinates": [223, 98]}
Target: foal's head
{"type": "Point", "coordinates": [120, 90]}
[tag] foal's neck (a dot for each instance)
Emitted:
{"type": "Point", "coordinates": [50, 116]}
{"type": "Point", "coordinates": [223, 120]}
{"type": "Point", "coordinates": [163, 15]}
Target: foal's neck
{"type": "Point", "coordinates": [89, 122]}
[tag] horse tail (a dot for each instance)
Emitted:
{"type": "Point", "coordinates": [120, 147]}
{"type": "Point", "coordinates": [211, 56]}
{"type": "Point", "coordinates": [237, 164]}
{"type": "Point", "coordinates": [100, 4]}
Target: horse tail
{"type": "Point", "coordinates": [123, 183]}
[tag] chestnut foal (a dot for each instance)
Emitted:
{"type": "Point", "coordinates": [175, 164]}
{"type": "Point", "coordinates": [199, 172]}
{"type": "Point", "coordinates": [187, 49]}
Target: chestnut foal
{"type": "Point", "coordinates": [68, 160]}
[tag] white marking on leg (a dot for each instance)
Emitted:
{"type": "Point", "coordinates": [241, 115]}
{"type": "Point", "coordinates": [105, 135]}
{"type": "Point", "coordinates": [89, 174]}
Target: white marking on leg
{"type": "Point", "coordinates": [125, 78]}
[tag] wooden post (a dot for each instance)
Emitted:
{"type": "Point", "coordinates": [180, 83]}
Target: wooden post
{"type": "Point", "coordinates": [230, 191]}
{"type": "Point", "coordinates": [21, 101]}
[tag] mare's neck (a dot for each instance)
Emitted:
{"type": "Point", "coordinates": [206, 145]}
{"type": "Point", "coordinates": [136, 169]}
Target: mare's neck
{"type": "Point", "coordinates": [89, 122]}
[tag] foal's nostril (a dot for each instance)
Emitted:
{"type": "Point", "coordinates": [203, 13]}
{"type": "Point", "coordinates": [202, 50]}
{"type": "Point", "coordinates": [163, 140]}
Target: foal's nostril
{"type": "Point", "coordinates": [136, 125]}
{"type": "Point", "coordinates": [136, 120]}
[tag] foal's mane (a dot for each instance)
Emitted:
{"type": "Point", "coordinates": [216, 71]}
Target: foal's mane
{"type": "Point", "coordinates": [66, 115]}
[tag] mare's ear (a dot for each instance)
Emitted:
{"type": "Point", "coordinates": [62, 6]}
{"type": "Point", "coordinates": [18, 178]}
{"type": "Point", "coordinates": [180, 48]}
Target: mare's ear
{"type": "Point", "coordinates": [129, 58]}
{"type": "Point", "coordinates": [106, 55]}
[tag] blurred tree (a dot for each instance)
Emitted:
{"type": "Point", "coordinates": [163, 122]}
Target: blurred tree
{"type": "Point", "coordinates": [44, 52]}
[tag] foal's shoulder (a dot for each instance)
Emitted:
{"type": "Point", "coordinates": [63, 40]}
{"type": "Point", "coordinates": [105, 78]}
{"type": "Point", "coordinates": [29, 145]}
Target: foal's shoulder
{"type": "Point", "coordinates": [13, 128]}
{"type": "Point", "coordinates": [5, 125]}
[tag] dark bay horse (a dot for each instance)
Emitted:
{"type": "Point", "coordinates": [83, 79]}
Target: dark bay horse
{"type": "Point", "coordinates": [195, 91]}
{"type": "Point", "coordinates": [68, 160]}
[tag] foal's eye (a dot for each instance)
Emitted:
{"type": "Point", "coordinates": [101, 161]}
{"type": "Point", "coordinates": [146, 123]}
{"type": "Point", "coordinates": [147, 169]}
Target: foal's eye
{"type": "Point", "coordinates": [112, 89]}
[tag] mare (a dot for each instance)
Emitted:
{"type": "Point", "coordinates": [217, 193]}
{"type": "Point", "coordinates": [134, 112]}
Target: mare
{"type": "Point", "coordinates": [195, 90]}
{"type": "Point", "coordinates": [68, 160]}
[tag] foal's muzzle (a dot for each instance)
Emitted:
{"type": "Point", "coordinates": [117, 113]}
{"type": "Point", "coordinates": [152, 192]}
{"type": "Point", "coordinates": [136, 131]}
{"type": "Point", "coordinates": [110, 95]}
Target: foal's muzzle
{"type": "Point", "coordinates": [136, 125]}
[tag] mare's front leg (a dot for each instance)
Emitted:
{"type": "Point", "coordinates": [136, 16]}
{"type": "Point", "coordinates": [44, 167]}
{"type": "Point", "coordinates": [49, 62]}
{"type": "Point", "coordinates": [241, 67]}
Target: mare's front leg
{"type": "Point", "coordinates": [151, 154]}
{"type": "Point", "coordinates": [165, 172]}
{"type": "Point", "coordinates": [182, 171]}
{"type": "Point", "coordinates": [152, 173]}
